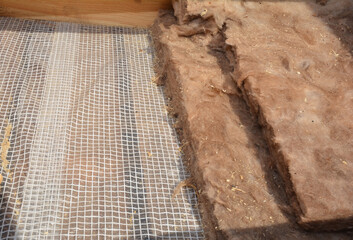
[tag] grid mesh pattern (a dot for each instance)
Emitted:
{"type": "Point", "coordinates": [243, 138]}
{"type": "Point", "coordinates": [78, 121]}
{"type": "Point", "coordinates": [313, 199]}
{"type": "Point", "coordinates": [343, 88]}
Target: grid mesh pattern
{"type": "Point", "coordinates": [87, 149]}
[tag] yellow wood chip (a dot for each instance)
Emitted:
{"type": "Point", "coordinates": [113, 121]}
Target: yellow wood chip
{"type": "Point", "coordinates": [238, 189]}
{"type": "Point", "coordinates": [184, 183]}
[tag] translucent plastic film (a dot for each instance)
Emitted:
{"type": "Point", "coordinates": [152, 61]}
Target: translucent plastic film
{"type": "Point", "coordinates": [87, 148]}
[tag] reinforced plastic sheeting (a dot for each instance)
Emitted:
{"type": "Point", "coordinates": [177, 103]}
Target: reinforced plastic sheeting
{"type": "Point", "coordinates": [87, 148]}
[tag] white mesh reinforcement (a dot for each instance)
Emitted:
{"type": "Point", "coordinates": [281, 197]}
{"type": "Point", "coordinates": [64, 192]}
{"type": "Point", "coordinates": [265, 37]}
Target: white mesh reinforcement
{"type": "Point", "coordinates": [87, 148]}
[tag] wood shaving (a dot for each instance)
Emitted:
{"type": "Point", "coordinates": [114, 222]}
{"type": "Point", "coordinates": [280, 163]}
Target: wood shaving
{"type": "Point", "coordinates": [238, 189]}
{"type": "Point", "coordinates": [184, 183]}
{"type": "Point", "coordinates": [5, 146]}
{"type": "Point", "coordinates": [17, 212]}
{"type": "Point", "coordinates": [131, 219]}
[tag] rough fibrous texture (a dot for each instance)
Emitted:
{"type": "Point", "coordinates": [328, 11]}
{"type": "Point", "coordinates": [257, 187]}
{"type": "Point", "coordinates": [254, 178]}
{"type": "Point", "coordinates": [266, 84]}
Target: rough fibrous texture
{"type": "Point", "coordinates": [241, 194]}
{"type": "Point", "coordinates": [292, 62]}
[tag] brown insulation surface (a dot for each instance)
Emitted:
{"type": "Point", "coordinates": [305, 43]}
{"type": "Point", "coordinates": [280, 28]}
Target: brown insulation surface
{"type": "Point", "coordinates": [292, 62]}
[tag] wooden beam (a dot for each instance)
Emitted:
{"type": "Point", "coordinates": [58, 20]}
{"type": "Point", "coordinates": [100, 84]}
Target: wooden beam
{"type": "Point", "coordinates": [108, 12]}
